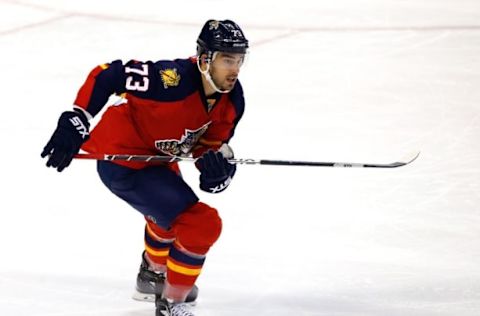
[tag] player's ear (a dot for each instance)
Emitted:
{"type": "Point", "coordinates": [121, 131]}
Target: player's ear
{"type": "Point", "coordinates": [203, 60]}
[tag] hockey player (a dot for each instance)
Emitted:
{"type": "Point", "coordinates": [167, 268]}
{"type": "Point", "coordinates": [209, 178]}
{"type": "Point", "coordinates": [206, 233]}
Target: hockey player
{"type": "Point", "coordinates": [180, 107]}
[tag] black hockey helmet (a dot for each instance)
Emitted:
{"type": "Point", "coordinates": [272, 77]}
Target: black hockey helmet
{"type": "Point", "coordinates": [223, 36]}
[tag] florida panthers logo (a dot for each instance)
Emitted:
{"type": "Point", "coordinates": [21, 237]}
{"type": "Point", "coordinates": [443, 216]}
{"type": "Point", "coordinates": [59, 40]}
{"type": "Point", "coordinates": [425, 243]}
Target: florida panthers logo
{"type": "Point", "coordinates": [182, 146]}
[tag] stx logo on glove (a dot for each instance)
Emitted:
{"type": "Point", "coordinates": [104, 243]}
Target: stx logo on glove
{"type": "Point", "coordinates": [81, 128]}
{"type": "Point", "coordinates": [216, 172]}
{"type": "Point", "coordinates": [221, 186]}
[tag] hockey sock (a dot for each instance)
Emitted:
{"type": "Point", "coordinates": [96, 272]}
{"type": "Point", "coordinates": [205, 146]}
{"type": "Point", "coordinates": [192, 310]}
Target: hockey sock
{"type": "Point", "coordinates": [183, 269]}
{"type": "Point", "coordinates": [157, 246]}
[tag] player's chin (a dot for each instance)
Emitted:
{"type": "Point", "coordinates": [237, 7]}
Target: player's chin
{"type": "Point", "coordinates": [229, 84]}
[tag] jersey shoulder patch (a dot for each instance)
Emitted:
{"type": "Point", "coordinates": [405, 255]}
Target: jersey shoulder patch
{"type": "Point", "coordinates": [176, 79]}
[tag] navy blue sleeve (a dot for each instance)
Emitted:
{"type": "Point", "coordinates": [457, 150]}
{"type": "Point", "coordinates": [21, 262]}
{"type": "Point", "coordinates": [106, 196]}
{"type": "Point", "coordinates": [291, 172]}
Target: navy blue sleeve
{"type": "Point", "coordinates": [101, 83]}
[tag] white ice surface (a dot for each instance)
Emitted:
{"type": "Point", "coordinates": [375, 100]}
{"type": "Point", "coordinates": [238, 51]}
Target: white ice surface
{"type": "Point", "coordinates": [344, 80]}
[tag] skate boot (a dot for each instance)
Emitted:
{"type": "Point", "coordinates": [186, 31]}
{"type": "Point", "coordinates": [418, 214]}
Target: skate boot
{"type": "Point", "coordinates": [164, 307]}
{"type": "Point", "coordinates": [150, 283]}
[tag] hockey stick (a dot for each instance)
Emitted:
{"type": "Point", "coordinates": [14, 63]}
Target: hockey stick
{"type": "Point", "coordinates": [155, 158]}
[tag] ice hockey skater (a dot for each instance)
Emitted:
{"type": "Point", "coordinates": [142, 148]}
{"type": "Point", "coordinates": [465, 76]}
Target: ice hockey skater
{"type": "Point", "coordinates": [182, 107]}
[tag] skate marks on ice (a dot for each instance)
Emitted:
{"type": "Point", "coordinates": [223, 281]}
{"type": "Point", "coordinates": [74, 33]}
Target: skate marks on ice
{"type": "Point", "coordinates": [414, 297]}
{"type": "Point", "coordinates": [26, 294]}
{"type": "Point", "coordinates": [49, 295]}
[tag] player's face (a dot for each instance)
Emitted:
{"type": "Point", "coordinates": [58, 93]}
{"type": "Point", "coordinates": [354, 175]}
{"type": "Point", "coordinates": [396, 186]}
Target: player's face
{"type": "Point", "coordinates": [225, 69]}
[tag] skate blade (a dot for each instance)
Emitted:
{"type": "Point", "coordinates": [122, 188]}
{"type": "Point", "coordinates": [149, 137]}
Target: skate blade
{"type": "Point", "coordinates": [150, 298]}
{"type": "Point", "coordinates": [143, 297]}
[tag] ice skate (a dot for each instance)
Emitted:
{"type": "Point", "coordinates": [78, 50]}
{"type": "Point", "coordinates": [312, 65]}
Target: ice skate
{"type": "Point", "coordinates": [165, 308]}
{"type": "Point", "coordinates": [151, 283]}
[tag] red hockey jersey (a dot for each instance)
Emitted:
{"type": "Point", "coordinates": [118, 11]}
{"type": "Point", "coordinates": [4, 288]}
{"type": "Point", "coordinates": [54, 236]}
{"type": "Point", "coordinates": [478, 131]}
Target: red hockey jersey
{"type": "Point", "coordinates": [164, 112]}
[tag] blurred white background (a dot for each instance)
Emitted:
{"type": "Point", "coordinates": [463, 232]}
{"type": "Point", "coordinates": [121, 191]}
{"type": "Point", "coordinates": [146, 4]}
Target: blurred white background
{"type": "Point", "coordinates": [360, 81]}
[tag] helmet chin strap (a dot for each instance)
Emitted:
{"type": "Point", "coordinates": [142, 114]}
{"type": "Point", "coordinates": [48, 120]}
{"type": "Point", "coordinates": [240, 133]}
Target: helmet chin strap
{"type": "Point", "coordinates": [207, 75]}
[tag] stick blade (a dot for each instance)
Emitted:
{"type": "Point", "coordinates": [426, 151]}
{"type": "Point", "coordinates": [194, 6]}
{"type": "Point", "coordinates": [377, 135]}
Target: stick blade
{"type": "Point", "coordinates": [411, 157]}
{"type": "Point", "coordinates": [407, 159]}
{"type": "Point", "coordinates": [402, 162]}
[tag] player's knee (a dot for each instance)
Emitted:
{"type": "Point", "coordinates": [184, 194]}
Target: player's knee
{"type": "Point", "coordinates": [208, 224]}
{"type": "Point", "coordinates": [199, 227]}
{"type": "Point", "coordinates": [211, 227]}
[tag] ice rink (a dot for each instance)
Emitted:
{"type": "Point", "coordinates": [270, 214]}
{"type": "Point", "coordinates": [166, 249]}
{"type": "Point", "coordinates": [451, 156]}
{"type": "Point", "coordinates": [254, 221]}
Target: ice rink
{"type": "Point", "coordinates": [345, 80]}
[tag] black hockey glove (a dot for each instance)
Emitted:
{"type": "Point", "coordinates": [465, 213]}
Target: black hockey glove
{"type": "Point", "coordinates": [71, 133]}
{"type": "Point", "coordinates": [216, 172]}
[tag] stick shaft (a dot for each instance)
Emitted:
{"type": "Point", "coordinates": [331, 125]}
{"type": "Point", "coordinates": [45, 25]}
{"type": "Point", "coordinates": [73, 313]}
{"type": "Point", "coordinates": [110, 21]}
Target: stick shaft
{"type": "Point", "coordinates": [156, 158]}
